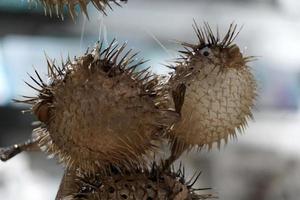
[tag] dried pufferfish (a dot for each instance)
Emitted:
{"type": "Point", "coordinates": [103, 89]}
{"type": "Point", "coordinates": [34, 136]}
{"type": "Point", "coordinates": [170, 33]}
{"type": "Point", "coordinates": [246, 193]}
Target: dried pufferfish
{"type": "Point", "coordinates": [57, 6]}
{"type": "Point", "coordinates": [214, 90]}
{"type": "Point", "coordinates": [98, 111]}
{"type": "Point", "coordinates": [148, 184]}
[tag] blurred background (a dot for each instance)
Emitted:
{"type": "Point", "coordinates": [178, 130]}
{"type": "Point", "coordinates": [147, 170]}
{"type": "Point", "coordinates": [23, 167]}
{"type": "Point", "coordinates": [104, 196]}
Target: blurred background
{"type": "Point", "coordinates": [263, 164]}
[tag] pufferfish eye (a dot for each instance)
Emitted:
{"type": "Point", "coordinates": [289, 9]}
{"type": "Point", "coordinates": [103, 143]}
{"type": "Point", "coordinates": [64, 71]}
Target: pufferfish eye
{"type": "Point", "coordinates": [206, 51]}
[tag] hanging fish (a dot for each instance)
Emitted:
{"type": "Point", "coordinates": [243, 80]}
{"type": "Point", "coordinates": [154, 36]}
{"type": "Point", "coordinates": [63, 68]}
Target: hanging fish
{"type": "Point", "coordinates": [214, 90]}
{"type": "Point", "coordinates": [98, 111]}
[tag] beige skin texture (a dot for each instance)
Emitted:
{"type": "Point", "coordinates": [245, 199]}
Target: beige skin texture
{"type": "Point", "coordinates": [219, 91]}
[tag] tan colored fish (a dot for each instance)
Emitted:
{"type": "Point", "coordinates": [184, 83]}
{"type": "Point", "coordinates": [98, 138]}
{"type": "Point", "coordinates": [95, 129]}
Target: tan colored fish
{"type": "Point", "coordinates": [213, 89]}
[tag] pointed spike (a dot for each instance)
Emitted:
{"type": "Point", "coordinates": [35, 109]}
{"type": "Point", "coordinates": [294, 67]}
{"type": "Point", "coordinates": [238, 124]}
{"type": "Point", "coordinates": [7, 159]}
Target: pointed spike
{"type": "Point", "coordinates": [119, 51]}
{"type": "Point", "coordinates": [72, 11]}
{"type": "Point", "coordinates": [83, 6]}
{"type": "Point", "coordinates": [109, 6]}
{"type": "Point", "coordinates": [113, 51]}
{"type": "Point", "coordinates": [50, 70]}
{"type": "Point", "coordinates": [35, 80]}
{"type": "Point", "coordinates": [40, 79]}
{"type": "Point", "coordinates": [188, 45]}
{"type": "Point", "coordinates": [169, 66]}
{"type": "Point", "coordinates": [130, 59]}
{"type": "Point", "coordinates": [32, 87]}
{"type": "Point", "coordinates": [140, 73]}
{"type": "Point", "coordinates": [124, 57]}
{"type": "Point", "coordinates": [107, 50]}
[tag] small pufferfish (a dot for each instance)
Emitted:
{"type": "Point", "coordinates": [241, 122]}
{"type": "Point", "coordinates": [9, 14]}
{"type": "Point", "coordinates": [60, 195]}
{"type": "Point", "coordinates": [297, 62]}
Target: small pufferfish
{"type": "Point", "coordinates": [214, 90]}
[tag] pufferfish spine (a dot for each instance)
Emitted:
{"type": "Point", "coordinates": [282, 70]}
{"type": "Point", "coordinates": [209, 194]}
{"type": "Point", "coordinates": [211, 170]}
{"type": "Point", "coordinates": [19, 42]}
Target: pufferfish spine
{"type": "Point", "coordinates": [98, 111]}
{"type": "Point", "coordinates": [213, 88]}
{"type": "Point", "coordinates": [57, 6]}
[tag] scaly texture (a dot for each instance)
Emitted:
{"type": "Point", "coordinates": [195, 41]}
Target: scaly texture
{"type": "Point", "coordinates": [57, 6]}
{"type": "Point", "coordinates": [140, 185]}
{"type": "Point", "coordinates": [98, 111]}
{"type": "Point", "coordinates": [214, 90]}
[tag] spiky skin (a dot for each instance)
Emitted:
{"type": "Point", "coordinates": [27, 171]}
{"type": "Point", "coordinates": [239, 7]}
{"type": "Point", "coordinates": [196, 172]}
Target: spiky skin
{"type": "Point", "coordinates": [98, 111]}
{"type": "Point", "coordinates": [219, 91]}
{"type": "Point", "coordinates": [138, 185]}
{"type": "Point", "coordinates": [56, 7]}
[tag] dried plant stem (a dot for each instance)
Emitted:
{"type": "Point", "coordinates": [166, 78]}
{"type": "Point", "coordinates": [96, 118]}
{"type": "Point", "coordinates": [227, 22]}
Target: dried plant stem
{"type": "Point", "coordinates": [11, 151]}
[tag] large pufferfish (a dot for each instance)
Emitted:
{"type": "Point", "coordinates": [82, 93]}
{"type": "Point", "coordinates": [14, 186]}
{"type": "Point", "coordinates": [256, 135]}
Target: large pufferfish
{"type": "Point", "coordinates": [214, 90]}
{"type": "Point", "coordinates": [98, 111]}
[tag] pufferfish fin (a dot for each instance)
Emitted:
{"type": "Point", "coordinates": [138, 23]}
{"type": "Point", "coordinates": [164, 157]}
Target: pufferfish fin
{"type": "Point", "coordinates": [178, 97]}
